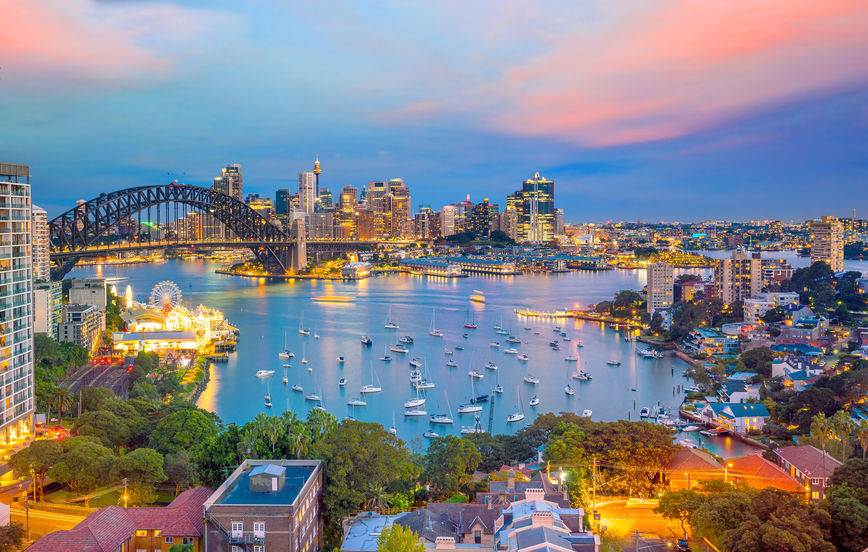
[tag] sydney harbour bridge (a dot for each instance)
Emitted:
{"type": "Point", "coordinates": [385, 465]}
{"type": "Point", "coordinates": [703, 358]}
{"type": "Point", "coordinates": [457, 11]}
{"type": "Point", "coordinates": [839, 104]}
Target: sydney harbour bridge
{"type": "Point", "coordinates": [90, 229]}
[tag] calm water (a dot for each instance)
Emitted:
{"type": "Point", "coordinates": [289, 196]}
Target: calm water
{"type": "Point", "coordinates": [265, 311]}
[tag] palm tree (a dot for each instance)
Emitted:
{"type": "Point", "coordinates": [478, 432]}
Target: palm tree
{"type": "Point", "coordinates": [299, 438]}
{"type": "Point", "coordinates": [821, 429]}
{"type": "Point", "coordinates": [248, 443]}
{"type": "Point", "coordinates": [376, 498]}
{"type": "Point", "coordinates": [842, 427]}
{"type": "Point", "coordinates": [273, 429]}
{"type": "Point", "coordinates": [259, 423]}
{"type": "Point", "coordinates": [861, 435]}
{"type": "Point", "coordinates": [62, 400]}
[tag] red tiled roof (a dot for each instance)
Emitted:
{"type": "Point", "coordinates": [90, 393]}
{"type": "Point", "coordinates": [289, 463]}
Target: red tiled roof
{"type": "Point", "coordinates": [692, 460]}
{"type": "Point", "coordinates": [106, 529]}
{"type": "Point", "coordinates": [759, 473]}
{"type": "Point", "coordinates": [809, 460]}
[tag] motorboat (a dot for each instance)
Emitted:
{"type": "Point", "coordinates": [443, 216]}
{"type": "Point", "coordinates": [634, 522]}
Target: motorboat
{"type": "Point", "coordinates": [357, 402]}
{"type": "Point", "coordinates": [386, 358]}
{"type": "Point", "coordinates": [340, 360]}
{"type": "Point", "coordinates": [475, 374]}
{"type": "Point", "coordinates": [470, 430]}
{"type": "Point", "coordinates": [451, 363]}
{"type": "Point", "coordinates": [430, 435]}
{"type": "Point", "coordinates": [313, 397]}
{"type": "Point", "coordinates": [572, 358]}
{"type": "Point", "coordinates": [586, 413]}
{"type": "Point", "coordinates": [479, 399]}
{"type": "Point", "coordinates": [557, 329]}
{"type": "Point", "coordinates": [304, 331]}
{"type": "Point", "coordinates": [515, 417]}
{"type": "Point", "coordinates": [342, 382]}
{"type": "Point", "coordinates": [533, 401]}
{"type": "Point", "coordinates": [370, 388]}
{"type": "Point", "coordinates": [510, 351]}
{"type": "Point", "coordinates": [469, 408]}
{"type": "Point", "coordinates": [406, 339]}
{"type": "Point", "coordinates": [613, 362]}
{"type": "Point", "coordinates": [644, 412]}
{"type": "Point", "coordinates": [523, 357]}
{"type": "Point", "coordinates": [399, 349]}
{"type": "Point", "coordinates": [569, 390]}
{"type": "Point", "coordinates": [415, 376]}
{"type": "Point", "coordinates": [315, 335]}
{"type": "Point", "coordinates": [513, 339]}
{"type": "Point", "coordinates": [303, 360]}
{"type": "Point", "coordinates": [490, 365]}
{"type": "Point", "coordinates": [553, 343]}
{"type": "Point", "coordinates": [367, 341]}
{"type": "Point", "coordinates": [415, 363]}
{"type": "Point", "coordinates": [297, 387]}
{"type": "Point", "coordinates": [414, 412]}
{"type": "Point", "coordinates": [533, 380]}
{"type": "Point", "coordinates": [268, 403]}
{"type": "Point", "coordinates": [424, 384]}
{"type": "Point", "coordinates": [470, 325]}
{"type": "Point", "coordinates": [264, 373]}
{"type": "Point", "coordinates": [498, 389]}
{"type": "Point", "coordinates": [567, 338]}
{"type": "Point", "coordinates": [287, 365]}
{"type": "Point", "coordinates": [494, 344]}
{"type": "Point", "coordinates": [459, 347]}
{"type": "Point", "coordinates": [477, 296]}
{"type": "Point", "coordinates": [465, 336]}
{"type": "Point", "coordinates": [447, 352]}
{"type": "Point", "coordinates": [648, 353]}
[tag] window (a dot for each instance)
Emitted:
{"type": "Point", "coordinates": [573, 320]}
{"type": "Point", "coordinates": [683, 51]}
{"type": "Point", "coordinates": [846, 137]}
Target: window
{"type": "Point", "coordinates": [815, 495]}
{"type": "Point", "coordinates": [169, 540]}
{"type": "Point", "coordinates": [259, 529]}
{"type": "Point", "coordinates": [141, 533]}
{"type": "Point", "coordinates": [258, 548]}
{"type": "Point", "coordinates": [477, 537]}
{"type": "Point", "coordinates": [237, 528]}
{"type": "Point", "coordinates": [188, 540]}
{"type": "Point", "coordinates": [236, 548]}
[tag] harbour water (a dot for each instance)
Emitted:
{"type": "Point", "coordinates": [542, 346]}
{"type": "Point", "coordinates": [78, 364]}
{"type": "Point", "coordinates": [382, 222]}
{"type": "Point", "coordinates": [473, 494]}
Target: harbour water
{"type": "Point", "coordinates": [341, 312]}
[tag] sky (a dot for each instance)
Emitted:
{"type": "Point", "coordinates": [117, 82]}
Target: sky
{"type": "Point", "coordinates": [653, 110]}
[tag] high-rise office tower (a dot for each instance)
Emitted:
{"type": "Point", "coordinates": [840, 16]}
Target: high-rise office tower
{"type": "Point", "coordinates": [39, 228]}
{"type": "Point", "coordinates": [827, 242]}
{"type": "Point", "coordinates": [483, 218]}
{"type": "Point", "coordinates": [230, 182]}
{"type": "Point", "coordinates": [398, 208]}
{"type": "Point", "coordinates": [559, 222]}
{"type": "Point", "coordinates": [307, 192]}
{"type": "Point", "coordinates": [16, 313]}
{"type": "Point", "coordinates": [325, 198]}
{"type": "Point", "coordinates": [447, 220]}
{"type": "Point", "coordinates": [283, 206]}
{"type": "Point", "coordinates": [536, 222]}
{"type": "Point", "coordinates": [739, 277]}
{"type": "Point", "coordinates": [660, 281]}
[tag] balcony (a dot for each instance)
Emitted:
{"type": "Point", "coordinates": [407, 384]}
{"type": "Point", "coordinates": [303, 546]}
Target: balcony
{"type": "Point", "coordinates": [246, 538]}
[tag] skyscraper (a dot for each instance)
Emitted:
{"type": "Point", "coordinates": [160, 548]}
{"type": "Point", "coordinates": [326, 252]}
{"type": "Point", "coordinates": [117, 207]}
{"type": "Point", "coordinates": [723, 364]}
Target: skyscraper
{"type": "Point", "coordinates": [307, 191]}
{"type": "Point", "coordinates": [660, 286]}
{"type": "Point", "coordinates": [739, 277]}
{"type": "Point", "coordinates": [283, 206]}
{"type": "Point", "coordinates": [230, 182]}
{"type": "Point", "coordinates": [536, 222]}
{"type": "Point", "coordinates": [827, 242]}
{"type": "Point", "coordinates": [483, 218]}
{"type": "Point", "coordinates": [39, 228]}
{"type": "Point", "coordinates": [16, 320]}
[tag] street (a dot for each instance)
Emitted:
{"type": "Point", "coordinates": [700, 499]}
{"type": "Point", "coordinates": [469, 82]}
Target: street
{"type": "Point", "coordinates": [42, 522]}
{"type": "Point", "coordinates": [623, 518]}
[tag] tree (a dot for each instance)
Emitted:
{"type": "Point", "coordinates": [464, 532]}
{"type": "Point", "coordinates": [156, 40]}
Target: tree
{"type": "Point", "coordinates": [656, 323]}
{"type": "Point", "coordinates": [398, 539]}
{"type": "Point", "coordinates": [215, 458]}
{"type": "Point", "coordinates": [720, 513]}
{"type": "Point", "coordinates": [847, 504]}
{"type": "Point", "coordinates": [182, 430]}
{"type": "Point", "coordinates": [180, 470]}
{"type": "Point", "coordinates": [841, 427]}
{"type": "Point", "coordinates": [356, 456]}
{"type": "Point", "coordinates": [274, 429]}
{"type": "Point", "coordinates": [861, 435]}
{"type": "Point", "coordinates": [62, 400]}
{"type": "Point", "coordinates": [104, 426]}
{"type": "Point", "coordinates": [678, 505]}
{"type": "Point", "coordinates": [84, 466]}
{"type": "Point", "coordinates": [821, 429]}
{"type": "Point", "coordinates": [93, 398]}
{"type": "Point", "coordinates": [758, 360]}
{"type": "Point", "coordinates": [143, 468]}
{"type": "Point", "coordinates": [12, 537]}
{"type": "Point", "coordinates": [37, 459]}
{"type": "Point", "coordinates": [449, 464]}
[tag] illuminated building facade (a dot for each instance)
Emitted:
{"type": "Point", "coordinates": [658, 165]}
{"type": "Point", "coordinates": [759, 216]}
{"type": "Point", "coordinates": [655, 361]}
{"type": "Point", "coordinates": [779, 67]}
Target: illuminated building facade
{"type": "Point", "coordinates": [536, 221]}
{"type": "Point", "coordinates": [660, 286]}
{"type": "Point", "coordinates": [39, 231]}
{"type": "Point", "coordinates": [827, 242]}
{"type": "Point", "coordinates": [739, 277]}
{"type": "Point", "coordinates": [484, 218]}
{"type": "Point", "coordinates": [307, 192]}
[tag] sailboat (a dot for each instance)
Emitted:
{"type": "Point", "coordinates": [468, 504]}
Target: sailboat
{"type": "Point", "coordinates": [497, 388]}
{"type": "Point", "coordinates": [424, 383]}
{"type": "Point", "coordinates": [518, 415]}
{"type": "Point", "coordinates": [371, 388]}
{"type": "Point", "coordinates": [471, 406]}
{"type": "Point", "coordinates": [471, 324]}
{"type": "Point", "coordinates": [434, 332]}
{"type": "Point", "coordinates": [357, 402]}
{"type": "Point", "coordinates": [267, 395]}
{"type": "Point", "coordinates": [286, 354]}
{"type": "Point", "coordinates": [285, 378]}
{"type": "Point", "coordinates": [390, 325]}
{"type": "Point", "coordinates": [475, 428]}
{"type": "Point", "coordinates": [385, 357]}
{"type": "Point", "coordinates": [442, 418]}
{"type": "Point", "coordinates": [393, 430]}
{"type": "Point", "coordinates": [413, 403]}
{"type": "Point", "coordinates": [303, 351]}
{"type": "Point", "coordinates": [301, 329]}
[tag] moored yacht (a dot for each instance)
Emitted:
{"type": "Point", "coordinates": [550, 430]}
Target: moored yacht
{"type": "Point", "coordinates": [264, 373]}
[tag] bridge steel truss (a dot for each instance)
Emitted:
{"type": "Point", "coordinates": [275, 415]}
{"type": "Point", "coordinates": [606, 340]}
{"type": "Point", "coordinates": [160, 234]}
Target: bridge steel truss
{"type": "Point", "coordinates": [73, 232]}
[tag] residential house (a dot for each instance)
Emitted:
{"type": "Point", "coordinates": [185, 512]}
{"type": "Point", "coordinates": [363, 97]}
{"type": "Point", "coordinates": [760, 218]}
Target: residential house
{"type": "Point", "coordinates": [710, 342]}
{"type": "Point", "coordinates": [809, 466]}
{"type": "Point", "coordinates": [537, 524]}
{"type": "Point", "coordinates": [757, 472]}
{"type": "Point", "coordinates": [116, 529]}
{"type": "Point", "coordinates": [688, 466]}
{"type": "Point", "coordinates": [739, 418]}
{"type": "Point", "coordinates": [510, 490]}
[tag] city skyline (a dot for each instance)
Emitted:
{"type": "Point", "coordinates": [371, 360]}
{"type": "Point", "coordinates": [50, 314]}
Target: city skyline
{"type": "Point", "coordinates": [631, 110]}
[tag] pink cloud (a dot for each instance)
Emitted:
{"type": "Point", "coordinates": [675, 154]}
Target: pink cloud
{"type": "Point", "coordinates": [680, 65]}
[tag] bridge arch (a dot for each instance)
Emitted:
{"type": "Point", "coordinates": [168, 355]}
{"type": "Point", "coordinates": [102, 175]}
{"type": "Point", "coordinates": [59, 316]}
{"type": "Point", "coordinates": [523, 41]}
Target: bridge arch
{"type": "Point", "coordinates": [85, 225]}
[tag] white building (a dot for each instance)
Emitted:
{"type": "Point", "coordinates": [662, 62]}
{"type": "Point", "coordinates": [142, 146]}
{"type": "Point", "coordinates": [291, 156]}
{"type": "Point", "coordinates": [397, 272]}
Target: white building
{"type": "Point", "coordinates": [16, 314]}
{"type": "Point", "coordinates": [88, 291]}
{"type": "Point", "coordinates": [660, 286]}
{"type": "Point", "coordinates": [827, 242]}
{"type": "Point", "coordinates": [82, 325]}
{"type": "Point", "coordinates": [755, 308]}
{"type": "Point", "coordinates": [307, 191]}
{"type": "Point", "coordinates": [47, 308]}
{"type": "Point", "coordinates": [39, 232]}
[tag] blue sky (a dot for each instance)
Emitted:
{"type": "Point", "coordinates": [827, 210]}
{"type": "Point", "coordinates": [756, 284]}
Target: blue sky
{"type": "Point", "coordinates": [668, 110]}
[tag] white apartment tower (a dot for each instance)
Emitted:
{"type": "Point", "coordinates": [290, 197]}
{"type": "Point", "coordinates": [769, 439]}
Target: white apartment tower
{"type": "Point", "coordinates": [16, 304]}
{"type": "Point", "coordinates": [39, 229]}
{"type": "Point", "coordinates": [307, 192]}
{"type": "Point", "coordinates": [827, 242]}
{"type": "Point", "coordinates": [739, 277]}
{"type": "Point", "coordinates": [660, 277]}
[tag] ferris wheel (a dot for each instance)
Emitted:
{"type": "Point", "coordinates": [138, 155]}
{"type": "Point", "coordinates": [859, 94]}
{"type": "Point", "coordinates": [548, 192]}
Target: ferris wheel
{"type": "Point", "coordinates": [165, 296]}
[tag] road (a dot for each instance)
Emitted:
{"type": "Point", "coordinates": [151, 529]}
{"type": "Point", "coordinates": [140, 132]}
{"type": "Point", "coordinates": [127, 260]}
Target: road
{"type": "Point", "coordinates": [112, 376]}
{"type": "Point", "coordinates": [42, 523]}
{"type": "Point", "coordinates": [623, 520]}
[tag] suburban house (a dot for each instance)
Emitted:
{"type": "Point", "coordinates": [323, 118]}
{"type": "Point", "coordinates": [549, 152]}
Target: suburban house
{"type": "Point", "coordinates": [737, 417]}
{"type": "Point", "coordinates": [739, 390]}
{"type": "Point", "coordinates": [809, 466]}
{"type": "Point", "coordinates": [508, 491]}
{"type": "Point", "coordinates": [688, 466]}
{"type": "Point", "coordinates": [710, 342]}
{"type": "Point", "coordinates": [757, 472]}
{"type": "Point", "coordinates": [155, 529]}
{"type": "Point", "coordinates": [537, 524]}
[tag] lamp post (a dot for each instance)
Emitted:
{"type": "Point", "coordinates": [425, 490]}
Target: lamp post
{"type": "Point", "coordinates": [726, 472]}
{"type": "Point", "coordinates": [688, 479]}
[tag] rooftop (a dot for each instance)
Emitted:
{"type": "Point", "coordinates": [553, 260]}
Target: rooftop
{"type": "Point", "coordinates": [809, 460]}
{"type": "Point", "coordinates": [236, 489]}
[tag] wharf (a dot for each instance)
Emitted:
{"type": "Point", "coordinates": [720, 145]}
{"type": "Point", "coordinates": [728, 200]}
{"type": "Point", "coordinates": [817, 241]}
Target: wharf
{"type": "Point", "coordinates": [580, 315]}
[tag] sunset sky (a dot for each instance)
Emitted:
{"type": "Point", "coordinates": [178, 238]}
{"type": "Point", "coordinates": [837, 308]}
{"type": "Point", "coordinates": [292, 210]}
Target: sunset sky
{"type": "Point", "coordinates": [651, 110]}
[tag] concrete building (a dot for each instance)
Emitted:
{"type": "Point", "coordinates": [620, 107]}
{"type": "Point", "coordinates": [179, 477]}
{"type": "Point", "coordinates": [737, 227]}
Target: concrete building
{"type": "Point", "coordinates": [47, 308]}
{"type": "Point", "coordinates": [82, 325]}
{"type": "Point", "coordinates": [755, 308]}
{"type": "Point", "coordinates": [809, 466]}
{"type": "Point", "coordinates": [307, 192]}
{"type": "Point", "coordinates": [88, 291]}
{"type": "Point", "coordinates": [40, 244]}
{"type": "Point", "coordinates": [739, 277]}
{"type": "Point", "coordinates": [16, 314]}
{"type": "Point", "coordinates": [660, 286]}
{"type": "Point", "coordinates": [827, 242]}
{"type": "Point", "coordinates": [267, 505]}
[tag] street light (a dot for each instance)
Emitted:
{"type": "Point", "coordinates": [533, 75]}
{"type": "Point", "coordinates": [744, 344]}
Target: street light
{"type": "Point", "coordinates": [725, 472]}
